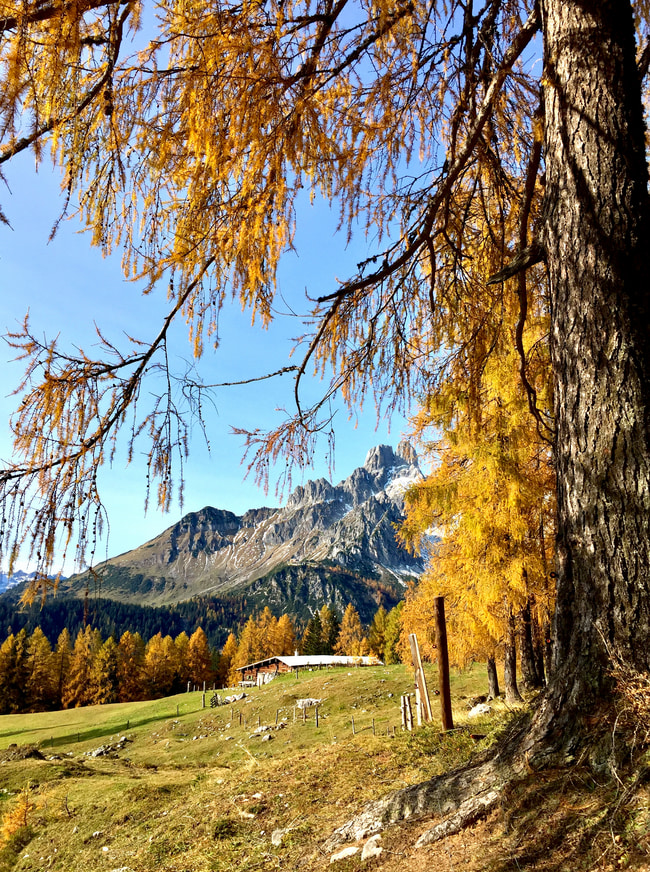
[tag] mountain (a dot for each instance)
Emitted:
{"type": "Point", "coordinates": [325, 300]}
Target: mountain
{"type": "Point", "coordinates": [329, 544]}
{"type": "Point", "coordinates": [9, 581]}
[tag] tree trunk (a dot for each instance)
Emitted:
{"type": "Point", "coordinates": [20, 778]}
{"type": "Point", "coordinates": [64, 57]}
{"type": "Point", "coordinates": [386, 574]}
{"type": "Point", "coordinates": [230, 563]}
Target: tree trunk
{"type": "Point", "coordinates": [538, 650]}
{"type": "Point", "coordinates": [597, 243]}
{"type": "Point", "coordinates": [510, 663]}
{"type": "Point", "coordinates": [493, 678]}
{"type": "Point", "coordinates": [526, 651]}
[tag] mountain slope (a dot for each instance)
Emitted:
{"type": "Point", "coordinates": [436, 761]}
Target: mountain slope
{"type": "Point", "coordinates": [333, 544]}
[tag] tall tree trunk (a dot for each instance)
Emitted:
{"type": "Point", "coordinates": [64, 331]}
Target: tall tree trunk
{"type": "Point", "coordinates": [597, 243]}
{"type": "Point", "coordinates": [510, 663]}
{"type": "Point", "coordinates": [493, 678]}
{"type": "Point", "coordinates": [538, 649]}
{"type": "Point", "coordinates": [526, 651]}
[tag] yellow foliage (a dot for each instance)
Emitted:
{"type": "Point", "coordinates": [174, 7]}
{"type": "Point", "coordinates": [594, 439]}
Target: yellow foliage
{"type": "Point", "coordinates": [191, 149]}
{"type": "Point", "coordinates": [18, 816]}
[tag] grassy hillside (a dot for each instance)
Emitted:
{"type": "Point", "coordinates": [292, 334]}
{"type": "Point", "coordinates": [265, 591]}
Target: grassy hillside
{"type": "Point", "coordinates": [192, 789]}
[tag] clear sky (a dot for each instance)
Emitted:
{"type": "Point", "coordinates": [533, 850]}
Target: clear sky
{"type": "Point", "coordinates": [68, 286]}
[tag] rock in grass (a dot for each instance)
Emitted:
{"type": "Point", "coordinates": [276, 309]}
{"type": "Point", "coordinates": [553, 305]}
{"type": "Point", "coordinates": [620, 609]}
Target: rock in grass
{"type": "Point", "coordinates": [344, 854]}
{"type": "Point", "coordinates": [277, 836]}
{"type": "Point", "coordinates": [372, 848]}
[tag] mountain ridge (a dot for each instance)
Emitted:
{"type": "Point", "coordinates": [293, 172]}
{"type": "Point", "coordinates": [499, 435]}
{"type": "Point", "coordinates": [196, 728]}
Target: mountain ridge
{"type": "Point", "coordinates": [329, 543]}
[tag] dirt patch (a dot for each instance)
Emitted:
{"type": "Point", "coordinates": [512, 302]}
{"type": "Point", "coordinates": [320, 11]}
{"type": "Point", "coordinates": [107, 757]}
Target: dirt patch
{"type": "Point", "coordinates": [20, 752]}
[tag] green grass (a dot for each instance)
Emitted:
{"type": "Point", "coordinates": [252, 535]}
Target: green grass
{"type": "Point", "coordinates": [198, 791]}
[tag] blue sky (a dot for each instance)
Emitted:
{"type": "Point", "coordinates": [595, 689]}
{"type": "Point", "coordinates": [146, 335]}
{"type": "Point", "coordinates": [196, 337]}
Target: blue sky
{"type": "Point", "coordinates": [67, 286]}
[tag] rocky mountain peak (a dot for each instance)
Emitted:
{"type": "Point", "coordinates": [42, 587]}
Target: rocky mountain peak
{"type": "Point", "coordinates": [381, 457]}
{"type": "Point", "coordinates": [329, 543]}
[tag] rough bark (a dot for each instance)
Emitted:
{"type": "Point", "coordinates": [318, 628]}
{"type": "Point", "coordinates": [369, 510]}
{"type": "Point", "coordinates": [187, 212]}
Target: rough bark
{"type": "Point", "coordinates": [538, 649]}
{"type": "Point", "coordinates": [493, 678]}
{"type": "Point", "coordinates": [510, 663]}
{"type": "Point", "coordinates": [529, 674]}
{"type": "Point", "coordinates": [597, 241]}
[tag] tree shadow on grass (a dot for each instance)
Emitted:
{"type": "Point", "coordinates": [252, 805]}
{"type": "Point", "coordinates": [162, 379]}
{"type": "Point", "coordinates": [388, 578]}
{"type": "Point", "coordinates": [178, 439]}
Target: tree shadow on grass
{"type": "Point", "coordinates": [556, 821]}
{"type": "Point", "coordinates": [101, 731]}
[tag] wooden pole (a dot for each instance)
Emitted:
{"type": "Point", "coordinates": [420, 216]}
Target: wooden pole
{"type": "Point", "coordinates": [443, 663]}
{"type": "Point", "coordinates": [353, 733]}
{"type": "Point", "coordinates": [316, 715]}
{"type": "Point", "coordinates": [408, 711]}
{"type": "Point", "coordinates": [420, 679]}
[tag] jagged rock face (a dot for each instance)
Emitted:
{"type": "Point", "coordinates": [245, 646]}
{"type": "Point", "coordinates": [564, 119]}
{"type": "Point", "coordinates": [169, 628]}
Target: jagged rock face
{"type": "Point", "coordinates": [291, 552]}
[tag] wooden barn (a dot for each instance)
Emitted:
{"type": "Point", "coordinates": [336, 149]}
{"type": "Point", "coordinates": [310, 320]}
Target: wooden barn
{"type": "Point", "coordinates": [278, 665]}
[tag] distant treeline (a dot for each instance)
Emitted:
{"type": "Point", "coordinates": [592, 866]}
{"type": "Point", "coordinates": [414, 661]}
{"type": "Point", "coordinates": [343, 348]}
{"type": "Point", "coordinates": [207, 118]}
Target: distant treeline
{"type": "Point", "coordinates": [217, 617]}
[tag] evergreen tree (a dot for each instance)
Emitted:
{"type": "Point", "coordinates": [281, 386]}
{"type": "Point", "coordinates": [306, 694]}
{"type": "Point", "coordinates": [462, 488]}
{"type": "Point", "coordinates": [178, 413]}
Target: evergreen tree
{"type": "Point", "coordinates": [312, 640]}
{"type": "Point", "coordinates": [331, 628]}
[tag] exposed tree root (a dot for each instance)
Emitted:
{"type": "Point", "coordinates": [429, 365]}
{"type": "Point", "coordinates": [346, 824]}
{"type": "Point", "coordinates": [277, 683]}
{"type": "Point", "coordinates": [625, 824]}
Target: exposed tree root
{"type": "Point", "coordinates": [459, 797]}
{"type": "Point", "coordinates": [550, 738]}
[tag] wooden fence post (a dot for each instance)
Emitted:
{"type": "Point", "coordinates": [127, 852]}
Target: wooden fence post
{"type": "Point", "coordinates": [443, 662]}
{"type": "Point", "coordinates": [420, 679]}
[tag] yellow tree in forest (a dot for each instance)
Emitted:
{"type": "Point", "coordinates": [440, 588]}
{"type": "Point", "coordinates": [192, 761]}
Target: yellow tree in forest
{"type": "Point", "coordinates": [160, 664]}
{"type": "Point", "coordinates": [13, 672]}
{"type": "Point", "coordinates": [490, 498]}
{"type": "Point", "coordinates": [77, 688]}
{"type": "Point", "coordinates": [351, 640]}
{"type": "Point", "coordinates": [104, 676]}
{"type": "Point", "coordinates": [62, 658]}
{"type": "Point", "coordinates": [226, 661]}
{"type": "Point", "coordinates": [249, 649]}
{"type": "Point", "coordinates": [41, 685]}
{"type": "Point", "coordinates": [267, 624]}
{"type": "Point", "coordinates": [182, 642]}
{"type": "Point", "coordinates": [130, 667]}
{"type": "Point", "coordinates": [285, 636]}
{"type": "Point", "coordinates": [199, 658]}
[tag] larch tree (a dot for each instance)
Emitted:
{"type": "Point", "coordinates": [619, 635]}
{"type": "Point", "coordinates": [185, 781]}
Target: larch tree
{"type": "Point", "coordinates": [160, 665]}
{"type": "Point", "coordinates": [267, 624]}
{"type": "Point", "coordinates": [228, 654]}
{"type": "Point", "coordinates": [41, 685]}
{"type": "Point", "coordinates": [199, 658]}
{"type": "Point", "coordinates": [490, 498]}
{"type": "Point", "coordinates": [430, 125]}
{"type": "Point", "coordinates": [130, 666]}
{"type": "Point", "coordinates": [77, 688]}
{"type": "Point", "coordinates": [351, 640]}
{"type": "Point", "coordinates": [14, 671]}
{"type": "Point", "coordinates": [182, 642]}
{"type": "Point", "coordinates": [104, 676]}
{"type": "Point", "coordinates": [285, 636]}
{"type": "Point", "coordinates": [62, 657]}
